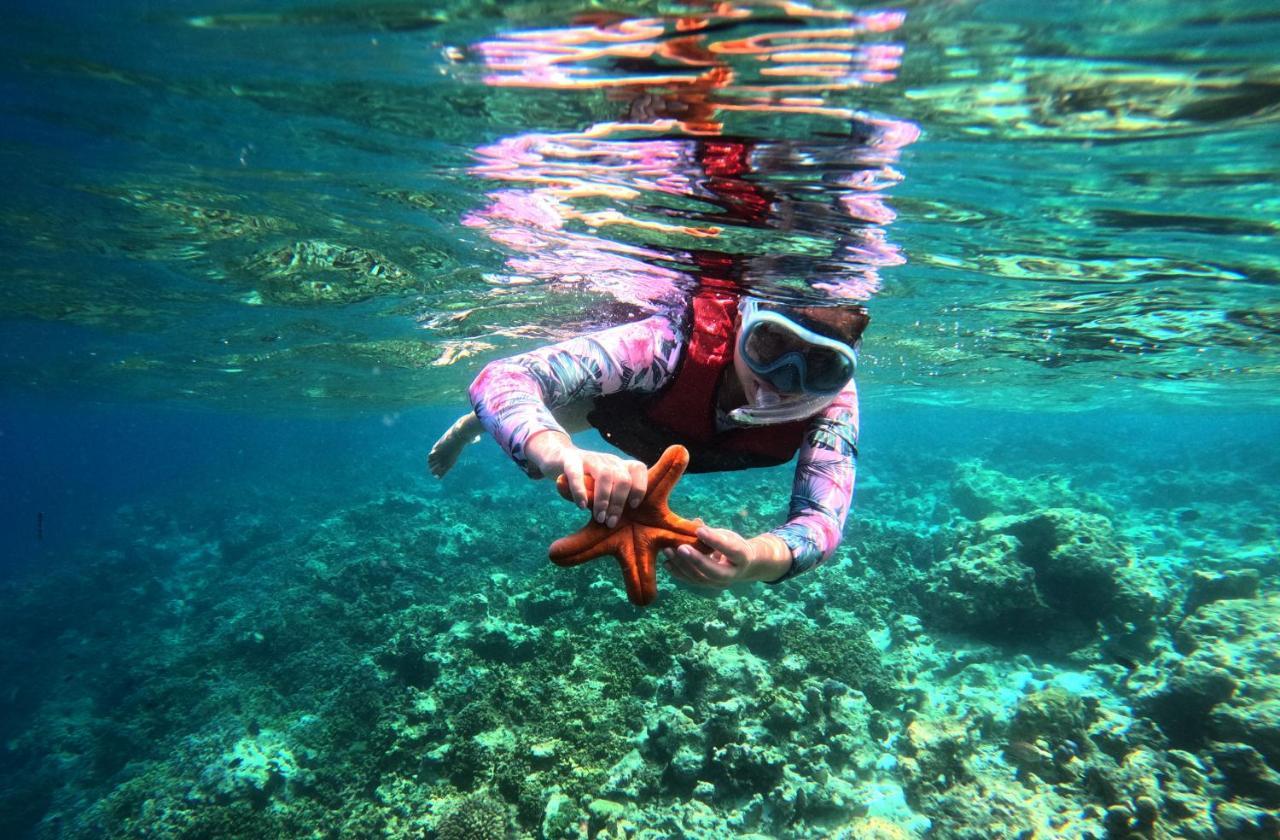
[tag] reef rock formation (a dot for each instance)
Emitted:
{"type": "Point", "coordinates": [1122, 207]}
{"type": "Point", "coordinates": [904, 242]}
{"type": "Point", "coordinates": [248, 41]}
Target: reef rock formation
{"type": "Point", "coordinates": [1220, 693]}
{"type": "Point", "coordinates": [1058, 572]}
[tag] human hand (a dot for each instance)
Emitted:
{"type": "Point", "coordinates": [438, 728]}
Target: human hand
{"type": "Point", "coordinates": [733, 559]}
{"type": "Point", "coordinates": [613, 482]}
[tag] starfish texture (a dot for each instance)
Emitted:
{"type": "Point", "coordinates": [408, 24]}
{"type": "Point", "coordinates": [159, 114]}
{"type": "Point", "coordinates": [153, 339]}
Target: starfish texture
{"type": "Point", "coordinates": [641, 533]}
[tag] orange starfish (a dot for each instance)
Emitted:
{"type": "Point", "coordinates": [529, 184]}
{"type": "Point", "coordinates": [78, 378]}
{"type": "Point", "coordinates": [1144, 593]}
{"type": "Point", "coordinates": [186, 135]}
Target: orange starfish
{"type": "Point", "coordinates": [642, 531]}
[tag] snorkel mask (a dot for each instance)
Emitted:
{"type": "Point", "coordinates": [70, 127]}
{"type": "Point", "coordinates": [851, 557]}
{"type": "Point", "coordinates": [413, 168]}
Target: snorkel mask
{"type": "Point", "coordinates": [805, 368]}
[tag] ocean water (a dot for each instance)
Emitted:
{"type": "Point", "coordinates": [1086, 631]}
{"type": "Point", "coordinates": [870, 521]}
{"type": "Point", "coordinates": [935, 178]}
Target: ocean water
{"type": "Point", "coordinates": [254, 253]}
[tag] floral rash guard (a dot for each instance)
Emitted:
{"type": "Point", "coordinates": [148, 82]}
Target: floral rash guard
{"type": "Point", "coordinates": [515, 397]}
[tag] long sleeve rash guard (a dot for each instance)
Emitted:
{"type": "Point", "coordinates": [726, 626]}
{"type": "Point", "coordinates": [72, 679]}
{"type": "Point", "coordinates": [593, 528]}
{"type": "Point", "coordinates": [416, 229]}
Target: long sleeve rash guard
{"type": "Point", "coordinates": [515, 397]}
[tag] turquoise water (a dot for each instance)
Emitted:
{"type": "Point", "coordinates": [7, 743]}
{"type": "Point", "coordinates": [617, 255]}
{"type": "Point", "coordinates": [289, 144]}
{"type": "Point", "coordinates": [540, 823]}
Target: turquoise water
{"type": "Point", "coordinates": [254, 253]}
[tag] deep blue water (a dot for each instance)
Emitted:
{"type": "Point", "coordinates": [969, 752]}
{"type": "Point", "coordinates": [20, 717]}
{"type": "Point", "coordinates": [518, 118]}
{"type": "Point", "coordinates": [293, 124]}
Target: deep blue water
{"type": "Point", "coordinates": [78, 463]}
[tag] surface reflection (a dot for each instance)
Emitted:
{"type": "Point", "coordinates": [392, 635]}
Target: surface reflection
{"type": "Point", "coordinates": [734, 155]}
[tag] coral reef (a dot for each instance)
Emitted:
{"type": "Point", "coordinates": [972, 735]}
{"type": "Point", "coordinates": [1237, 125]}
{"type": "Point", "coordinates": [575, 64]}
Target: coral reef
{"type": "Point", "coordinates": [478, 817]}
{"type": "Point", "coordinates": [1060, 576]}
{"type": "Point", "coordinates": [1219, 692]}
{"type": "Point", "coordinates": [1042, 671]}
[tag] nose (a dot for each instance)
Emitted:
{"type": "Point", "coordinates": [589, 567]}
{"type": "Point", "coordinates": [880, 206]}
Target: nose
{"type": "Point", "coordinates": [786, 379]}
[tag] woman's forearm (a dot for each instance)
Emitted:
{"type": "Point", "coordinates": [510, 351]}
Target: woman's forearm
{"type": "Point", "coordinates": [822, 491]}
{"type": "Point", "coordinates": [514, 398]}
{"type": "Point", "coordinates": [770, 558]}
{"type": "Point", "coordinates": [545, 451]}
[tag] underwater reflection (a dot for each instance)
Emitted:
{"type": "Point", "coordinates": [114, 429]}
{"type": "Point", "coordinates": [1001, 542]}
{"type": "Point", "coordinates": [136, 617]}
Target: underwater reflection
{"type": "Point", "coordinates": [733, 155]}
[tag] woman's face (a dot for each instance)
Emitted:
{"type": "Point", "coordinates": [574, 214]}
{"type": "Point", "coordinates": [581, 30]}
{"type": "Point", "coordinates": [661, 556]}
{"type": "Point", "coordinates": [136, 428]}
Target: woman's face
{"type": "Point", "coordinates": [757, 391]}
{"type": "Point", "coordinates": [760, 394]}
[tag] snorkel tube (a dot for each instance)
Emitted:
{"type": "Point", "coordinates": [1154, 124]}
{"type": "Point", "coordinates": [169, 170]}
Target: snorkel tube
{"type": "Point", "coordinates": [772, 409]}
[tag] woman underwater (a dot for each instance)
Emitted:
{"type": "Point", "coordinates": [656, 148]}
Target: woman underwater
{"type": "Point", "coordinates": [738, 381]}
{"type": "Point", "coordinates": [741, 381]}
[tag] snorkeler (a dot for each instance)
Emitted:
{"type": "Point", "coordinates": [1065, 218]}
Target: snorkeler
{"type": "Point", "coordinates": [738, 381]}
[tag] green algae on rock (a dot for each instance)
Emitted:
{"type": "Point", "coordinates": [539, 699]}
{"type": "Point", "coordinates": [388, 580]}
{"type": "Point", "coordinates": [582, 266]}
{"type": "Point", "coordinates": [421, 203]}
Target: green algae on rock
{"type": "Point", "coordinates": [1057, 572]}
{"type": "Point", "coordinates": [1221, 686]}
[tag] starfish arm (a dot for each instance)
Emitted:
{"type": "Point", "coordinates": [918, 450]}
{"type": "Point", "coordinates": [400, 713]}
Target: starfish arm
{"type": "Point", "coordinates": [665, 473]}
{"type": "Point", "coordinates": [669, 537]}
{"type": "Point", "coordinates": [592, 541]}
{"type": "Point", "coordinates": [638, 572]}
{"type": "Point", "coordinates": [674, 528]}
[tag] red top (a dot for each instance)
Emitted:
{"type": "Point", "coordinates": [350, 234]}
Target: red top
{"type": "Point", "coordinates": [685, 410]}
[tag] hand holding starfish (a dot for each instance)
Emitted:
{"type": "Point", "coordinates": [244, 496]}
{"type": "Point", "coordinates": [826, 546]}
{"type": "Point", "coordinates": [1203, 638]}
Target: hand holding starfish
{"type": "Point", "coordinates": [642, 531]}
{"type": "Point", "coordinates": [730, 558]}
{"type": "Point", "coordinates": [613, 482]}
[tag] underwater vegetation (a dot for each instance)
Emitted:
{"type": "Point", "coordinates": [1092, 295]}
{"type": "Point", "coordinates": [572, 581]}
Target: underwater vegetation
{"type": "Point", "coordinates": [1000, 650]}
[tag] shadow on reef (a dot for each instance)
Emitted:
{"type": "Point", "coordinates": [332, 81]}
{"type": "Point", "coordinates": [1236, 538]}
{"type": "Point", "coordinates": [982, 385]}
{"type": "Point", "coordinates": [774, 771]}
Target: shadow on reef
{"type": "Point", "coordinates": [987, 657]}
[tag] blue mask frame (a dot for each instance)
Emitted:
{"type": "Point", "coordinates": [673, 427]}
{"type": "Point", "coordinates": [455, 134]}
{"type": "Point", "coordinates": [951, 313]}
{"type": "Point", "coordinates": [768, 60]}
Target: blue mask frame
{"type": "Point", "coordinates": [789, 373]}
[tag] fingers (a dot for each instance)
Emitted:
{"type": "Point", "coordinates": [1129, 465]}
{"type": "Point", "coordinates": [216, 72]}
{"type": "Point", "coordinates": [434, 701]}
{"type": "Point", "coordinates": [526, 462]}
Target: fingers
{"type": "Point", "coordinates": [576, 478]}
{"type": "Point", "coordinates": [639, 483]}
{"type": "Point", "coordinates": [681, 568]}
{"type": "Point", "coordinates": [605, 481]}
{"type": "Point", "coordinates": [439, 462]}
{"type": "Point", "coordinates": [688, 564]}
{"type": "Point", "coordinates": [729, 543]}
{"type": "Point", "coordinates": [726, 562]}
{"type": "Point", "coordinates": [618, 483]}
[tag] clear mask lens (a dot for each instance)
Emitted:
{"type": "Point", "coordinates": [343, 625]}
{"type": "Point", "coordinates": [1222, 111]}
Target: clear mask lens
{"type": "Point", "coordinates": [792, 359]}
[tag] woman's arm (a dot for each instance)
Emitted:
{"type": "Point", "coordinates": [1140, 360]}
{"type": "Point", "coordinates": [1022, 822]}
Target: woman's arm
{"type": "Point", "coordinates": [514, 397]}
{"type": "Point", "coordinates": [822, 491]}
{"type": "Point", "coordinates": [820, 500]}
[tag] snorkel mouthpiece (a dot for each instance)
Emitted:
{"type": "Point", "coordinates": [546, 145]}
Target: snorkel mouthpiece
{"type": "Point", "coordinates": [766, 398]}
{"type": "Point", "coordinates": [773, 409]}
